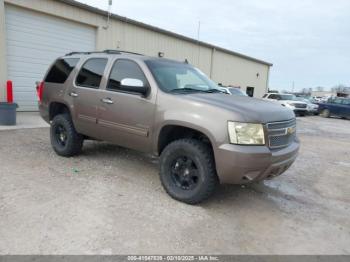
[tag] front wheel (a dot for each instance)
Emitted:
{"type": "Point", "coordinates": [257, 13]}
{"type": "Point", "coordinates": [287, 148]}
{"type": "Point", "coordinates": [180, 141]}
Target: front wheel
{"type": "Point", "coordinates": [64, 138]}
{"type": "Point", "coordinates": [187, 171]}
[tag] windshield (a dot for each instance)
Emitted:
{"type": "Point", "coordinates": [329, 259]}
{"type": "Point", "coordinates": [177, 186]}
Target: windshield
{"type": "Point", "coordinates": [287, 97]}
{"type": "Point", "coordinates": [236, 91]}
{"type": "Point", "coordinates": [180, 77]}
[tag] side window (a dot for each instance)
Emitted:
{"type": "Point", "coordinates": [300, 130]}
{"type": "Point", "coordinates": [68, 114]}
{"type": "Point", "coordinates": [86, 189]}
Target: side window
{"type": "Point", "coordinates": [337, 101]}
{"type": "Point", "coordinates": [61, 70]}
{"type": "Point", "coordinates": [124, 69]}
{"type": "Point", "coordinates": [346, 102]}
{"type": "Point", "coordinates": [273, 96]}
{"type": "Point", "coordinates": [91, 73]}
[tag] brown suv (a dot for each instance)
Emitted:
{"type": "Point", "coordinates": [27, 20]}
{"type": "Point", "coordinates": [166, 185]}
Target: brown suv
{"type": "Point", "coordinates": [170, 109]}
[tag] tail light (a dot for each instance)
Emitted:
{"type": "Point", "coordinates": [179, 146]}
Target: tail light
{"type": "Point", "coordinates": [40, 90]}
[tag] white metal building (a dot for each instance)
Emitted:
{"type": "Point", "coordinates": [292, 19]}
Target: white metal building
{"type": "Point", "coordinates": [35, 32]}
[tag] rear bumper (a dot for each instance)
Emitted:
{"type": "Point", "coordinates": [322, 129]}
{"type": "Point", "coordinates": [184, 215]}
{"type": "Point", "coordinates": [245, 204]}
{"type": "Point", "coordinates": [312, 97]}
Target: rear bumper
{"type": "Point", "coordinates": [44, 112]}
{"type": "Point", "coordinates": [243, 164]}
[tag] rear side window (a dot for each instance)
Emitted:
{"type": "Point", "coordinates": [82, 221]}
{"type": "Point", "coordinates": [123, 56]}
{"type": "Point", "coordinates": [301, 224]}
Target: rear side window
{"type": "Point", "coordinates": [124, 69]}
{"type": "Point", "coordinates": [91, 73]}
{"type": "Point", "coordinates": [61, 70]}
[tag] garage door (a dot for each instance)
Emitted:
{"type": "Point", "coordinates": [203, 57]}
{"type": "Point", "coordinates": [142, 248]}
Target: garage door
{"type": "Point", "coordinates": [34, 41]}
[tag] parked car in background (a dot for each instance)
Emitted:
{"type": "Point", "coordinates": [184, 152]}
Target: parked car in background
{"type": "Point", "coordinates": [312, 108]}
{"type": "Point", "coordinates": [335, 106]}
{"type": "Point", "coordinates": [169, 109]}
{"type": "Point", "coordinates": [235, 91]}
{"type": "Point", "coordinates": [289, 101]}
{"type": "Point", "coordinates": [320, 99]}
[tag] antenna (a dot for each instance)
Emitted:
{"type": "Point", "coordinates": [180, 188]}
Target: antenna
{"type": "Point", "coordinates": [198, 34]}
{"type": "Point", "coordinates": [110, 3]}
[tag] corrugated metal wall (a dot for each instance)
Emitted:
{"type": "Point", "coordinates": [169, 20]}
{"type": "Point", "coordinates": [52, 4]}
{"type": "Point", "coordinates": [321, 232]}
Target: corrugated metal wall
{"type": "Point", "coordinates": [222, 67]}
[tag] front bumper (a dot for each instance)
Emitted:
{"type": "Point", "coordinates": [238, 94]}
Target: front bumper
{"type": "Point", "coordinates": [238, 164]}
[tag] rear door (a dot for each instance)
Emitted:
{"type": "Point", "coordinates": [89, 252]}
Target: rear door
{"type": "Point", "coordinates": [85, 95]}
{"type": "Point", "coordinates": [336, 106]}
{"type": "Point", "coordinates": [345, 111]}
{"type": "Point", "coordinates": [126, 118]}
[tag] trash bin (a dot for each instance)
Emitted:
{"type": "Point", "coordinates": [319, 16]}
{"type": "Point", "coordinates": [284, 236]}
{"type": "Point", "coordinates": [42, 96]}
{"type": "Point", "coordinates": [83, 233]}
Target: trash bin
{"type": "Point", "coordinates": [8, 114]}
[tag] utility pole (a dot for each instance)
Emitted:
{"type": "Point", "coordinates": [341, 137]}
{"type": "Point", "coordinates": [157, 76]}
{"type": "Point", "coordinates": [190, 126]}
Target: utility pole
{"type": "Point", "coordinates": [293, 86]}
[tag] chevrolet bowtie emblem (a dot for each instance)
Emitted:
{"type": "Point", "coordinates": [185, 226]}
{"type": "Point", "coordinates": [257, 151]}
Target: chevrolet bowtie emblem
{"type": "Point", "coordinates": [290, 130]}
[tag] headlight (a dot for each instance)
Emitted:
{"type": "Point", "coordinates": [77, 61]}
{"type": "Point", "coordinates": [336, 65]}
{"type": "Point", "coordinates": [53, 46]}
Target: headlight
{"type": "Point", "coordinates": [246, 133]}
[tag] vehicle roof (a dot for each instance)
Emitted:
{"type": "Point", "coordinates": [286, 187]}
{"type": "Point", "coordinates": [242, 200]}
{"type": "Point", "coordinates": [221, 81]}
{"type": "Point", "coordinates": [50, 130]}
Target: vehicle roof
{"type": "Point", "coordinates": [118, 53]}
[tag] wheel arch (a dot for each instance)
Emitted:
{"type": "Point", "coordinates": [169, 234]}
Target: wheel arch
{"type": "Point", "coordinates": [172, 131]}
{"type": "Point", "coordinates": [56, 108]}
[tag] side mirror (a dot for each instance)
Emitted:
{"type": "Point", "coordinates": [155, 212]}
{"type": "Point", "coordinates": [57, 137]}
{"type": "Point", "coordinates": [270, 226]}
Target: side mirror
{"type": "Point", "coordinates": [134, 85]}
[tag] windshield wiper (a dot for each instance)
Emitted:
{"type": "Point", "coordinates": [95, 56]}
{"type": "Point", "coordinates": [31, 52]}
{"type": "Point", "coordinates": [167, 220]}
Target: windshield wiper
{"type": "Point", "coordinates": [214, 90]}
{"type": "Point", "coordinates": [186, 89]}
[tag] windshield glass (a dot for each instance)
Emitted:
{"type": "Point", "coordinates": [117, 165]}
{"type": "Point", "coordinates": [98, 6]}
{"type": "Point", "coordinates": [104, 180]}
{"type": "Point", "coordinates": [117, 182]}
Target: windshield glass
{"type": "Point", "coordinates": [180, 77]}
{"type": "Point", "coordinates": [287, 97]}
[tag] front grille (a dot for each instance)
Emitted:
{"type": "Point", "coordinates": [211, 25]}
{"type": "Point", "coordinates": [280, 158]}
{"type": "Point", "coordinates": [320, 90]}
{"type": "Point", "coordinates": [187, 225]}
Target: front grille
{"type": "Point", "coordinates": [281, 134]}
{"type": "Point", "coordinates": [298, 105]}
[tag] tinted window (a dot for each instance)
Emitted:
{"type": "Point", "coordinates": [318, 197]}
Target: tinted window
{"type": "Point", "coordinates": [124, 69]}
{"type": "Point", "coordinates": [91, 73]}
{"type": "Point", "coordinates": [60, 71]}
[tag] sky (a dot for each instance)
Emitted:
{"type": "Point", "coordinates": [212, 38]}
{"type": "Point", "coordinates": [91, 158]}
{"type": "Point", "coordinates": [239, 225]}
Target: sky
{"type": "Point", "coordinates": [308, 41]}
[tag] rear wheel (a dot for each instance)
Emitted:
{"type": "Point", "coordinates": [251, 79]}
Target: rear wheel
{"type": "Point", "coordinates": [187, 171]}
{"type": "Point", "coordinates": [325, 113]}
{"type": "Point", "coordinates": [64, 138]}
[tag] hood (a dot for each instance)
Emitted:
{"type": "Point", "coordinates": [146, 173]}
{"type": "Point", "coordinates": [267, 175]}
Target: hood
{"type": "Point", "coordinates": [245, 108]}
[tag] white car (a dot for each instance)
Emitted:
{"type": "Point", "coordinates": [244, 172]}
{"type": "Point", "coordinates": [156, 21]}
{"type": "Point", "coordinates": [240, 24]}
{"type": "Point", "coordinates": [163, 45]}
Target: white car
{"type": "Point", "coordinates": [312, 108]}
{"type": "Point", "coordinates": [288, 100]}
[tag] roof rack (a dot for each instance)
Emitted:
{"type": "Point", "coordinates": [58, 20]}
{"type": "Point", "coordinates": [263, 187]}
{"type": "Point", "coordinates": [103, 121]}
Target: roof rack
{"type": "Point", "coordinates": [107, 51]}
{"type": "Point", "coordinates": [112, 51]}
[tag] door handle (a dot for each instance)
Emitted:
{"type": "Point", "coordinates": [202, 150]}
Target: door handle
{"type": "Point", "coordinates": [73, 94]}
{"type": "Point", "coordinates": [107, 101]}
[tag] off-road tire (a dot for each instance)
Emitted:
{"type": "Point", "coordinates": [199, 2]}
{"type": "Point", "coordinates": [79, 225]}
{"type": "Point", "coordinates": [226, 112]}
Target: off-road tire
{"type": "Point", "coordinates": [74, 140]}
{"type": "Point", "coordinates": [202, 158]}
{"type": "Point", "coordinates": [325, 113]}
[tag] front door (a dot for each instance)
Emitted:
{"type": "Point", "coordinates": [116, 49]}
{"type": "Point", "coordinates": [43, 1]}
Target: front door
{"type": "Point", "coordinates": [126, 118]}
{"type": "Point", "coordinates": [86, 96]}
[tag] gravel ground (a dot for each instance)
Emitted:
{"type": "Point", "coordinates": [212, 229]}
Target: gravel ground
{"type": "Point", "coordinates": [109, 201]}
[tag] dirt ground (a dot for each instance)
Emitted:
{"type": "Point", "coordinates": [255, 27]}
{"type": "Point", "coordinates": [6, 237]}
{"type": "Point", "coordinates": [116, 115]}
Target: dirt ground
{"type": "Point", "coordinates": [109, 200]}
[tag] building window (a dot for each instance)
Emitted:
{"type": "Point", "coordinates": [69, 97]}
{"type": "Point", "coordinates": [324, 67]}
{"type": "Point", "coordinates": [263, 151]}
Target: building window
{"type": "Point", "coordinates": [250, 91]}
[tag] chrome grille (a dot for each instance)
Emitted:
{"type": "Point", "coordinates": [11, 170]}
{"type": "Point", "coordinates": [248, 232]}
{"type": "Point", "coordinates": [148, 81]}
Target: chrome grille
{"type": "Point", "coordinates": [298, 105]}
{"type": "Point", "coordinates": [281, 134]}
